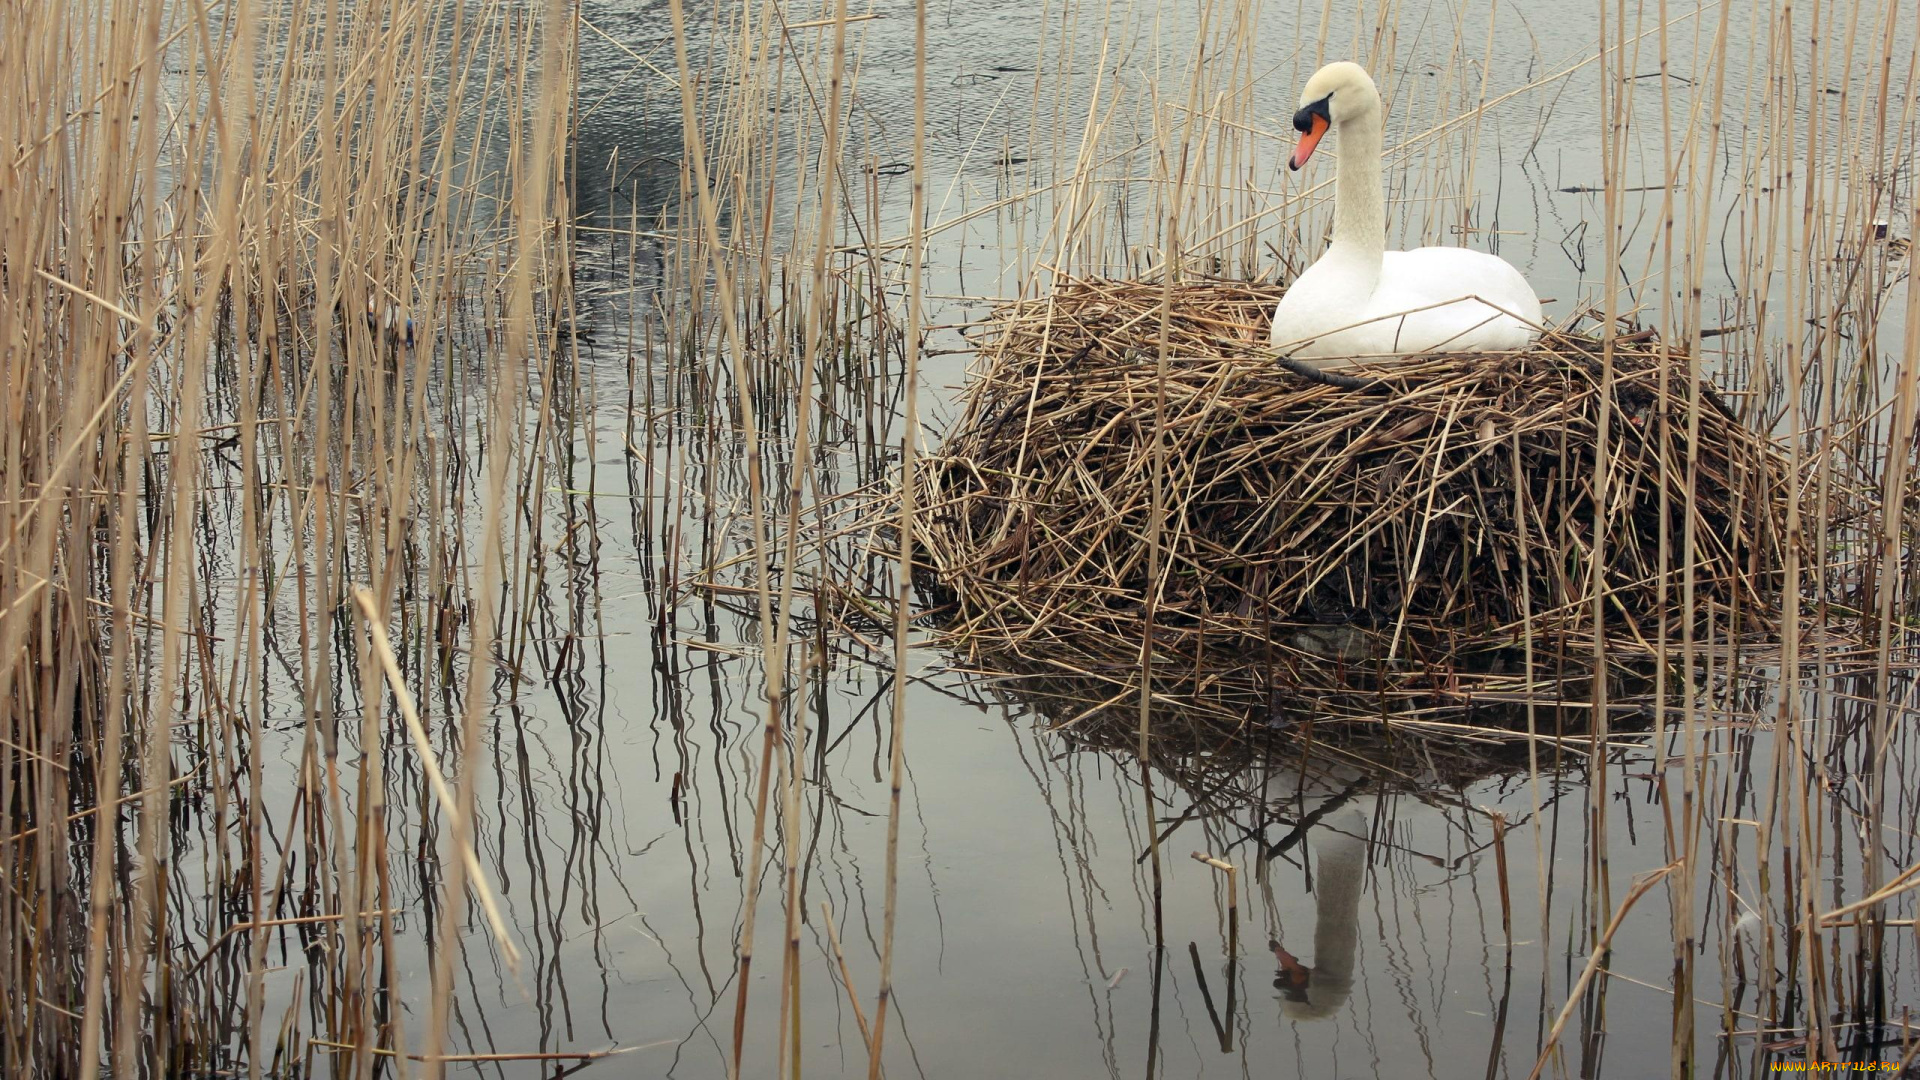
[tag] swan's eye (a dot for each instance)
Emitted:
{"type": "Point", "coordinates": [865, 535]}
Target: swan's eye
{"type": "Point", "coordinates": [1303, 120]}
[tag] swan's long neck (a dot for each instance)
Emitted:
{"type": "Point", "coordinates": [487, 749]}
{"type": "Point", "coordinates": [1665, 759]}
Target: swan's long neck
{"type": "Point", "coordinates": [1336, 929]}
{"type": "Point", "coordinates": [1359, 204]}
{"type": "Point", "coordinates": [1339, 879]}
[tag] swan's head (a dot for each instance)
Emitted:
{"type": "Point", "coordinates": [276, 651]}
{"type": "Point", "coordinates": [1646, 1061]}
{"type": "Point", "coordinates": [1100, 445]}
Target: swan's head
{"type": "Point", "coordinates": [1337, 93]}
{"type": "Point", "coordinates": [1307, 993]}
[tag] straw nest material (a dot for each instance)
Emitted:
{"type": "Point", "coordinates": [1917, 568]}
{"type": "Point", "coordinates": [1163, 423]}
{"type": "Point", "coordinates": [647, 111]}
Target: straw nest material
{"type": "Point", "coordinates": [1307, 527]}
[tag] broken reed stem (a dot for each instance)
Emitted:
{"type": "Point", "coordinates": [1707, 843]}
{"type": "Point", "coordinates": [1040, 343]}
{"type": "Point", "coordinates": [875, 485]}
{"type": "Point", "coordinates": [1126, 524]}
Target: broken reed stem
{"type": "Point", "coordinates": [430, 764]}
{"type": "Point", "coordinates": [846, 977]}
{"type": "Point", "coordinates": [551, 1055]}
{"type": "Point", "coordinates": [1233, 940]}
{"type": "Point", "coordinates": [1233, 894]}
{"type": "Point", "coordinates": [1499, 821]}
{"type": "Point", "coordinates": [1602, 945]}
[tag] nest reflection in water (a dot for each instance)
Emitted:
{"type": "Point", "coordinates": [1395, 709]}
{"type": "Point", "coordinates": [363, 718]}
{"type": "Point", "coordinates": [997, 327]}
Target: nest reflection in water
{"type": "Point", "coordinates": [1310, 803]}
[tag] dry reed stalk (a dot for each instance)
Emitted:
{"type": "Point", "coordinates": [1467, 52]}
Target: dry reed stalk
{"type": "Point", "coordinates": [902, 599]}
{"type": "Point", "coordinates": [429, 760]}
{"type": "Point", "coordinates": [709, 220]}
{"type": "Point", "coordinates": [1601, 947]}
{"type": "Point", "coordinates": [846, 976]}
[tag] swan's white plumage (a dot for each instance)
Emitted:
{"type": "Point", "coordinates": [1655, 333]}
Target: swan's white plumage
{"type": "Point", "coordinates": [1360, 300]}
{"type": "Point", "coordinates": [1432, 299]}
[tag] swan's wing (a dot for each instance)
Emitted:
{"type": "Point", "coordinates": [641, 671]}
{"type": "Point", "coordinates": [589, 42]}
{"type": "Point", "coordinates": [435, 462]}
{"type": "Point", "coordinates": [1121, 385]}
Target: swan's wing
{"type": "Point", "coordinates": [1454, 300]}
{"type": "Point", "coordinates": [1424, 301]}
{"type": "Point", "coordinates": [1410, 322]}
{"type": "Point", "coordinates": [1447, 273]}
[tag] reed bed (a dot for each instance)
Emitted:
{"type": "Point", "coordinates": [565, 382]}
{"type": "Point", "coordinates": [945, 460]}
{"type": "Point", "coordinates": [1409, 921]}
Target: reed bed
{"type": "Point", "coordinates": [267, 269]}
{"type": "Point", "coordinates": [1445, 507]}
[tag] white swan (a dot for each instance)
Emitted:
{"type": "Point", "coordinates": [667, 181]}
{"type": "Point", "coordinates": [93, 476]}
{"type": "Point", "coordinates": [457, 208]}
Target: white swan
{"type": "Point", "coordinates": [1361, 300]}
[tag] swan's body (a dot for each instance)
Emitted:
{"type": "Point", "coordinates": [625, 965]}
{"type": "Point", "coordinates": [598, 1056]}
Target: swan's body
{"type": "Point", "coordinates": [1361, 301]}
{"type": "Point", "coordinates": [1404, 303]}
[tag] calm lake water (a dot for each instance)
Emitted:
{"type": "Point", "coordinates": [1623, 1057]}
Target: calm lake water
{"type": "Point", "coordinates": [1370, 935]}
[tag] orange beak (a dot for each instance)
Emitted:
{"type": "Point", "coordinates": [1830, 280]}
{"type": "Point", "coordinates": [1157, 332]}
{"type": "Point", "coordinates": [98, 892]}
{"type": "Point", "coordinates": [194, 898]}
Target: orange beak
{"type": "Point", "coordinates": [1292, 971]}
{"type": "Point", "coordinates": [1309, 139]}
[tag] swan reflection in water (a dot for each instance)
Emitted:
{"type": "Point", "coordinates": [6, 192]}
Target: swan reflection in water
{"type": "Point", "coordinates": [1338, 842]}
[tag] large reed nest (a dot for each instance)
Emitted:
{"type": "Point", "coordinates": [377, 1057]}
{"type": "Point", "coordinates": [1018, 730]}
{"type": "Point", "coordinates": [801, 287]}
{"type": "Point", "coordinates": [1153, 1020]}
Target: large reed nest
{"type": "Point", "coordinates": [1309, 529]}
